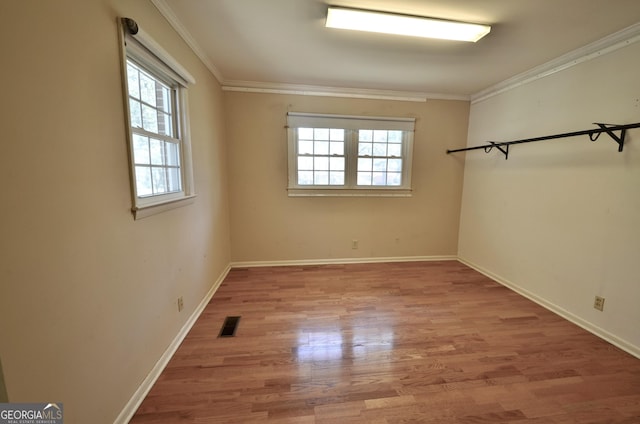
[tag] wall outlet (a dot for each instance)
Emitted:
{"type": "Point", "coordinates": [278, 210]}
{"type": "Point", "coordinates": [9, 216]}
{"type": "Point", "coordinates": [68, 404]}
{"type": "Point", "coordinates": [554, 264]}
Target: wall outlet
{"type": "Point", "coordinates": [180, 304]}
{"type": "Point", "coordinates": [354, 244]}
{"type": "Point", "coordinates": [598, 303]}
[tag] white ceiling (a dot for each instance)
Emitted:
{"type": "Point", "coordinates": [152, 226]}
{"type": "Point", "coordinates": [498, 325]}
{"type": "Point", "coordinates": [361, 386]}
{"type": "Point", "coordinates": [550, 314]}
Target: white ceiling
{"type": "Point", "coordinates": [283, 42]}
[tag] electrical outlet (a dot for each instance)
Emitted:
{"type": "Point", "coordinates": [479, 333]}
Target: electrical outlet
{"type": "Point", "coordinates": [354, 244]}
{"type": "Point", "coordinates": [598, 303]}
{"type": "Point", "coordinates": [180, 304]}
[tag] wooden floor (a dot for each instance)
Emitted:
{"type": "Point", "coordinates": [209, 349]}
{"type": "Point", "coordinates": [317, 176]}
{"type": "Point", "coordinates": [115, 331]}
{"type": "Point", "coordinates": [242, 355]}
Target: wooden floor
{"type": "Point", "coordinates": [421, 342]}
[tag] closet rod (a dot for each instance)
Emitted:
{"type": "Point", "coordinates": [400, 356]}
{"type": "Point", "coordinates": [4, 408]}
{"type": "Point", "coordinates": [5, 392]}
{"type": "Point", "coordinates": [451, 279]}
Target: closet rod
{"type": "Point", "coordinates": [592, 133]}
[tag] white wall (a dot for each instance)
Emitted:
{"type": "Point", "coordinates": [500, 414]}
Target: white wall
{"type": "Point", "coordinates": [560, 219]}
{"type": "Point", "coordinates": [267, 225]}
{"type": "Point", "coordinates": [87, 294]}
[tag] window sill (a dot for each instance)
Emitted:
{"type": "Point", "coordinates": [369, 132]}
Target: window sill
{"type": "Point", "coordinates": [316, 192]}
{"type": "Point", "coordinates": [143, 211]}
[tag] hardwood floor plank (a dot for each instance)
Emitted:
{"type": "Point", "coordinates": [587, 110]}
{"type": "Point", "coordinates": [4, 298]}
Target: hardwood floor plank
{"type": "Point", "coordinates": [416, 342]}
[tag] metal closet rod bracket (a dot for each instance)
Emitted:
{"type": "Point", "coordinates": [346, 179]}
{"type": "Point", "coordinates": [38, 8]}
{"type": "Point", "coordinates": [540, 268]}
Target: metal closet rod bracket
{"type": "Point", "coordinates": [593, 134]}
{"type": "Point", "coordinates": [505, 150]}
{"type": "Point", "coordinates": [610, 132]}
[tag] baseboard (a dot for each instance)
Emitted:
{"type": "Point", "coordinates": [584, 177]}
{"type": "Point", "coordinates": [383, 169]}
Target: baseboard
{"type": "Point", "coordinates": [134, 403]}
{"type": "Point", "coordinates": [336, 261]}
{"type": "Point", "coordinates": [594, 329]}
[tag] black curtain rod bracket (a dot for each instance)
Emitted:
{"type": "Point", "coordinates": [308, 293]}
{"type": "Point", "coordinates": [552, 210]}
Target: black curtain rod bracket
{"type": "Point", "coordinates": [593, 134]}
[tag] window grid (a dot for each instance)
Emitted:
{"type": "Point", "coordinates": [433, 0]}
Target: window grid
{"type": "Point", "coordinates": [321, 157]}
{"type": "Point", "coordinates": [156, 148]}
{"type": "Point", "coordinates": [379, 158]}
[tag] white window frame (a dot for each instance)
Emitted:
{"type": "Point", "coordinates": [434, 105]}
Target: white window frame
{"type": "Point", "coordinates": [141, 49]}
{"type": "Point", "coordinates": [351, 124]}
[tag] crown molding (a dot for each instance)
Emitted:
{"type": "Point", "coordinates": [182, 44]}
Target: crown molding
{"type": "Point", "coordinates": [283, 88]}
{"type": "Point", "coordinates": [173, 20]}
{"type": "Point", "coordinates": [354, 93]}
{"type": "Point", "coordinates": [591, 51]}
{"type": "Point", "coordinates": [611, 43]}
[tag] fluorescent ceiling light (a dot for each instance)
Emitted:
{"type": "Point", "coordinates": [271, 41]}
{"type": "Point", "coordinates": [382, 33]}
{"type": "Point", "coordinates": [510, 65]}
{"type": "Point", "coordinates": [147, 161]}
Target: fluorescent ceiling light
{"type": "Point", "coordinates": [416, 26]}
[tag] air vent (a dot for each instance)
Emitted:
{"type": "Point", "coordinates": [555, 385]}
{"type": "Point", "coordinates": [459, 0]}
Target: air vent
{"type": "Point", "coordinates": [229, 327]}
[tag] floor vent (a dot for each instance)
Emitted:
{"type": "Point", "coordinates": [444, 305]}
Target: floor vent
{"type": "Point", "coordinates": [229, 327]}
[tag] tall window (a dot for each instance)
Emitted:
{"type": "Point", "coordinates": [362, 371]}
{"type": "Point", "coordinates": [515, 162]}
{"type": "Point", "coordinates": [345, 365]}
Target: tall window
{"type": "Point", "coordinates": [156, 89]}
{"type": "Point", "coordinates": [156, 142]}
{"type": "Point", "coordinates": [342, 155]}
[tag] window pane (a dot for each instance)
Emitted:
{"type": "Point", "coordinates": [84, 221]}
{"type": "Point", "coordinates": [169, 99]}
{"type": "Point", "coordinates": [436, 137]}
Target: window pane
{"type": "Point", "coordinates": [147, 89]}
{"type": "Point", "coordinates": [132, 81]}
{"type": "Point", "coordinates": [394, 165]}
{"type": "Point", "coordinates": [321, 178]}
{"type": "Point", "coordinates": [321, 148]}
{"type": "Point", "coordinates": [157, 153]}
{"type": "Point", "coordinates": [305, 133]}
{"type": "Point", "coordinates": [379, 149]}
{"type": "Point", "coordinates": [305, 163]}
{"type": "Point", "coordinates": [159, 180]}
{"type": "Point", "coordinates": [364, 178]}
{"type": "Point", "coordinates": [365, 164]}
{"type": "Point", "coordinates": [164, 124]}
{"type": "Point", "coordinates": [395, 137]}
{"type": "Point", "coordinates": [336, 178]}
{"type": "Point", "coordinates": [379, 178]}
{"type": "Point", "coordinates": [379, 164]}
{"type": "Point", "coordinates": [173, 154]}
{"type": "Point", "coordinates": [305, 177]}
{"type": "Point", "coordinates": [336, 134]}
{"type": "Point", "coordinates": [140, 149]}
{"type": "Point", "coordinates": [336, 164]}
{"type": "Point", "coordinates": [305, 147]}
{"type": "Point", "coordinates": [394, 179]}
{"type": "Point", "coordinates": [321, 163]}
{"type": "Point", "coordinates": [173, 179]}
{"type": "Point", "coordinates": [136, 114]}
{"type": "Point", "coordinates": [365, 149]}
{"type": "Point", "coordinates": [394, 150]}
{"type": "Point", "coordinates": [149, 119]}
{"type": "Point", "coordinates": [321, 133]}
{"type": "Point", "coordinates": [365, 135]}
{"type": "Point", "coordinates": [143, 181]}
{"type": "Point", "coordinates": [380, 136]}
{"type": "Point", "coordinates": [336, 148]}
{"type": "Point", "coordinates": [164, 103]}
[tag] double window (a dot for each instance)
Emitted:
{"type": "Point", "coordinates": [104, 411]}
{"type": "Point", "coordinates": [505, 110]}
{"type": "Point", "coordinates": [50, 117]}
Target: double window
{"type": "Point", "coordinates": [349, 155]}
{"type": "Point", "coordinates": [156, 104]}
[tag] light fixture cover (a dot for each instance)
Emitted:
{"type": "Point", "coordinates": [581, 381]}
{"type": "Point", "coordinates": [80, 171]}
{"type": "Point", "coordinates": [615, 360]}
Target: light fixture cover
{"type": "Point", "coordinates": [416, 26]}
